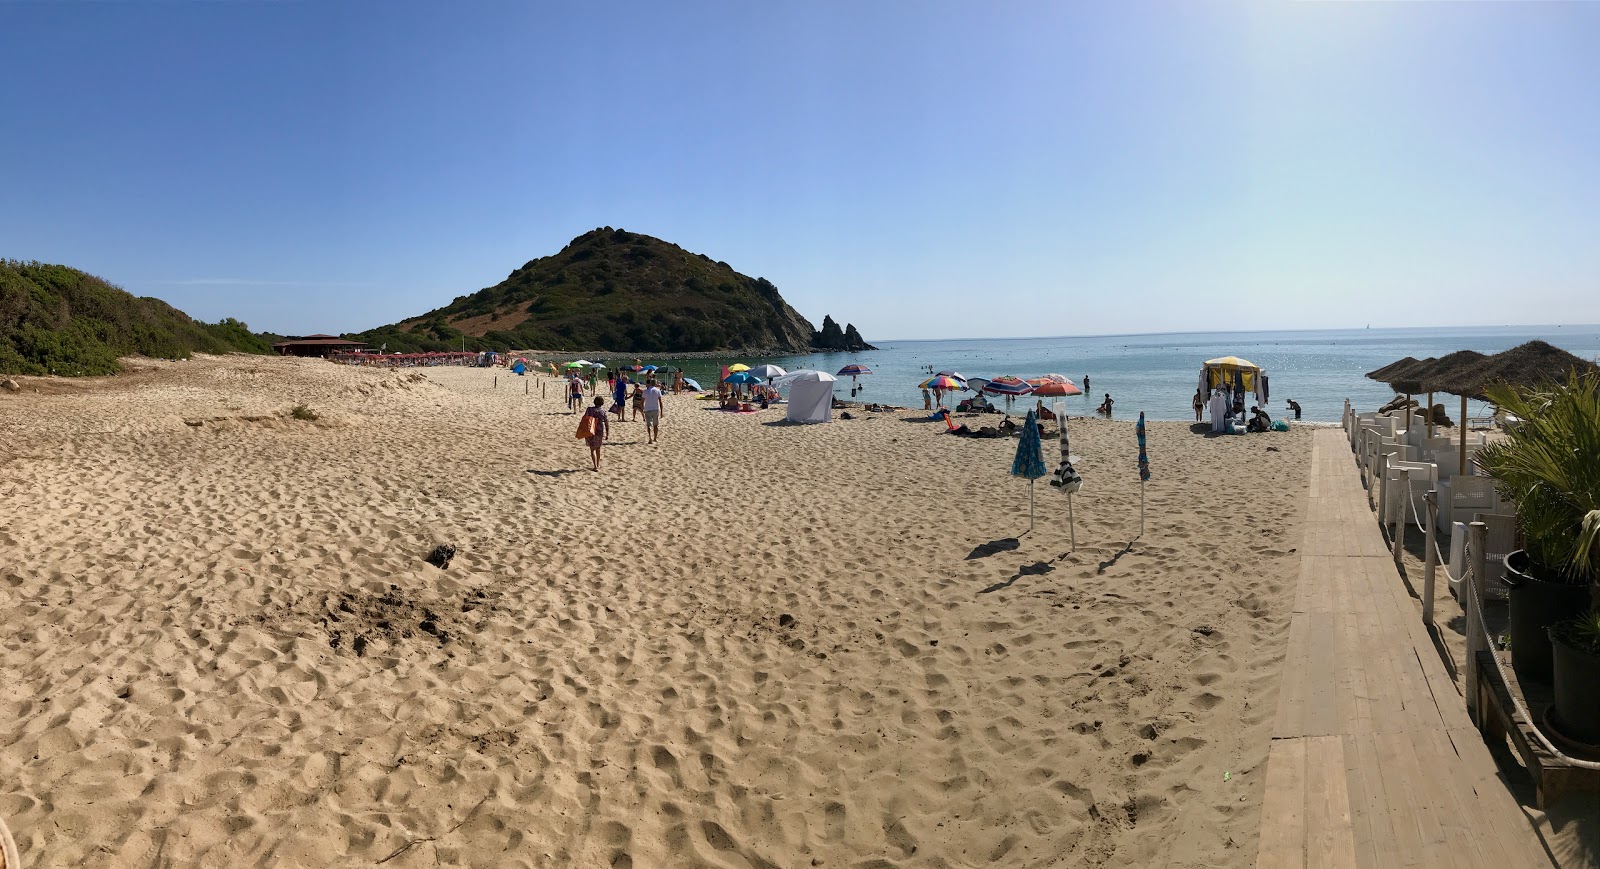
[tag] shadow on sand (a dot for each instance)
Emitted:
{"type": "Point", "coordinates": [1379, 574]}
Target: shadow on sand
{"type": "Point", "coordinates": [984, 550]}
{"type": "Point", "coordinates": [1038, 568]}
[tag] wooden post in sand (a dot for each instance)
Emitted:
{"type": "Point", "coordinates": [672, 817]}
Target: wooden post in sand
{"type": "Point", "coordinates": [541, 390]}
{"type": "Point", "coordinates": [496, 382]}
{"type": "Point", "coordinates": [1463, 469]}
{"type": "Point", "coordinates": [1400, 522]}
{"type": "Point", "coordinates": [1430, 413]}
{"type": "Point", "coordinates": [1430, 558]}
{"type": "Point", "coordinates": [525, 387]}
{"type": "Point", "coordinates": [1477, 538]}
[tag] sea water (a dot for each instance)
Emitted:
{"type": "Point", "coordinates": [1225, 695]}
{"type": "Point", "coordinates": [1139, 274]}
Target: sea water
{"type": "Point", "coordinates": [1158, 374]}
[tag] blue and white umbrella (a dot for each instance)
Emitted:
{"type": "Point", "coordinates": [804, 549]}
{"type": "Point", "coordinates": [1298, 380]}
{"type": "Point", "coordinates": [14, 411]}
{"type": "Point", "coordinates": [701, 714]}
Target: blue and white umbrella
{"type": "Point", "coordinates": [1066, 476]}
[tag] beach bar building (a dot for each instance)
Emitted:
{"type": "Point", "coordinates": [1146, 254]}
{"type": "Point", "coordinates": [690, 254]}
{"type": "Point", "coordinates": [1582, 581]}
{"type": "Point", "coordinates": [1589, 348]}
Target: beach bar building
{"type": "Point", "coordinates": [317, 345]}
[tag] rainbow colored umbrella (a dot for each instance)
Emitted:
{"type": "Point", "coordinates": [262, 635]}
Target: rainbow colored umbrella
{"type": "Point", "coordinates": [942, 381]}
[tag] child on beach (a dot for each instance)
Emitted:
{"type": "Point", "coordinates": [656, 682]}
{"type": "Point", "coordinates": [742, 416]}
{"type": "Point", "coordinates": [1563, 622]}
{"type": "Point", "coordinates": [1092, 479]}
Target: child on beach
{"type": "Point", "coordinates": [638, 402]}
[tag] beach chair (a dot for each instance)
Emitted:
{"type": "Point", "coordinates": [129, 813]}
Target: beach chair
{"type": "Point", "coordinates": [1467, 495]}
{"type": "Point", "coordinates": [1401, 504]}
{"type": "Point", "coordinates": [1502, 541]}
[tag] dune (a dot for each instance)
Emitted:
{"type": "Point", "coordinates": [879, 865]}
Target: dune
{"type": "Point", "coordinates": [751, 645]}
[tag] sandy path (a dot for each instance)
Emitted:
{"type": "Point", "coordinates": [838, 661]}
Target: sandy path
{"type": "Point", "coordinates": [752, 645]}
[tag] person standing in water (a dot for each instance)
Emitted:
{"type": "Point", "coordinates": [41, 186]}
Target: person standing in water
{"type": "Point", "coordinates": [1295, 406]}
{"type": "Point", "coordinates": [1086, 383]}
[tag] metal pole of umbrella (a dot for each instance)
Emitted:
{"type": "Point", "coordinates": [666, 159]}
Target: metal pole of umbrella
{"type": "Point", "coordinates": [1463, 469]}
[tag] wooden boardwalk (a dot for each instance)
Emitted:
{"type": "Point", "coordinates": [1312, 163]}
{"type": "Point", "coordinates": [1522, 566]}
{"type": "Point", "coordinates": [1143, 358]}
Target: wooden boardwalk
{"type": "Point", "coordinates": [1374, 762]}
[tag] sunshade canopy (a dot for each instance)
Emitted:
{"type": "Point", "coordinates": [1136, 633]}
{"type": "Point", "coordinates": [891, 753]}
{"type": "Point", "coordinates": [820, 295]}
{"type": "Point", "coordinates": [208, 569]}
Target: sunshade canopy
{"type": "Point", "coordinates": [942, 381]}
{"type": "Point", "coordinates": [741, 377]}
{"type": "Point", "coordinates": [738, 366]}
{"type": "Point", "coordinates": [854, 369]}
{"type": "Point", "coordinates": [1467, 373]}
{"type": "Point", "coordinates": [767, 372]}
{"type": "Point", "coordinates": [1053, 388]}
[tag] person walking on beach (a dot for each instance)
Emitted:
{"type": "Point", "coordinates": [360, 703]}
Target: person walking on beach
{"type": "Point", "coordinates": [652, 410]}
{"type": "Point", "coordinates": [619, 394]}
{"type": "Point", "coordinates": [599, 431]}
{"type": "Point", "coordinates": [1198, 405]}
{"type": "Point", "coordinates": [574, 393]}
{"type": "Point", "coordinates": [638, 401]}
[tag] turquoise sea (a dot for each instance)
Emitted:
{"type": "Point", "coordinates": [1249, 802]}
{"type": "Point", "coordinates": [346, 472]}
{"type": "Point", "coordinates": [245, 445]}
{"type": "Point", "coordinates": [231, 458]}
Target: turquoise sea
{"type": "Point", "coordinates": [1157, 373]}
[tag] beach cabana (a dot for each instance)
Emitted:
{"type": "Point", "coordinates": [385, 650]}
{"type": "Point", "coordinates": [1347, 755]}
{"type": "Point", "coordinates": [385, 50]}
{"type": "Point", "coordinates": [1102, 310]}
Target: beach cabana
{"type": "Point", "coordinates": [810, 395]}
{"type": "Point", "coordinates": [1231, 372]}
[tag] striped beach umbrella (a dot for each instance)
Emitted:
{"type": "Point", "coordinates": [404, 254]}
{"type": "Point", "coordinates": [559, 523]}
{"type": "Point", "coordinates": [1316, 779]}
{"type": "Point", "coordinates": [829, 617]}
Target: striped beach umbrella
{"type": "Point", "coordinates": [1007, 385]}
{"type": "Point", "coordinates": [1066, 476]}
{"type": "Point", "coordinates": [854, 369]}
{"type": "Point", "coordinates": [1029, 462]}
{"type": "Point", "coordinates": [942, 381]}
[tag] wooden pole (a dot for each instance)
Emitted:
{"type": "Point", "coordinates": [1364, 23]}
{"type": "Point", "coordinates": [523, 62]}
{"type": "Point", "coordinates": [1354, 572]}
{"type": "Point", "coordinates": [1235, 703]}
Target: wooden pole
{"type": "Point", "coordinates": [1410, 416]}
{"type": "Point", "coordinates": [1463, 469]}
{"type": "Point", "coordinates": [1030, 505]}
{"type": "Point", "coordinates": [1477, 539]}
{"type": "Point", "coordinates": [496, 381]}
{"type": "Point", "coordinates": [1430, 558]}
{"type": "Point", "coordinates": [1430, 413]}
{"type": "Point", "coordinates": [1402, 521]}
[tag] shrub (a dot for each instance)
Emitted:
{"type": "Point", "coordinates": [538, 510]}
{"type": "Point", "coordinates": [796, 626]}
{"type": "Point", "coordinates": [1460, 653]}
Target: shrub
{"type": "Point", "coordinates": [304, 413]}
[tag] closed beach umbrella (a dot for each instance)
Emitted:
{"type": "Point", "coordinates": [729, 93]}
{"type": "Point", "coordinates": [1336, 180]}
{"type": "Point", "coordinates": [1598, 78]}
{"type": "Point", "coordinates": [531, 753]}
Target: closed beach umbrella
{"type": "Point", "coordinates": [1066, 476]}
{"type": "Point", "coordinates": [767, 372]}
{"type": "Point", "coordinates": [1029, 462]}
{"type": "Point", "coordinates": [1144, 469]}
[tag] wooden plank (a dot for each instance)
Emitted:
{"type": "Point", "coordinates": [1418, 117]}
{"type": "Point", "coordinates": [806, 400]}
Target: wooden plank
{"type": "Point", "coordinates": [1321, 716]}
{"type": "Point", "coordinates": [1292, 686]}
{"type": "Point", "coordinates": [1399, 796]}
{"type": "Point", "coordinates": [1283, 828]}
{"type": "Point", "coordinates": [1330, 833]}
{"type": "Point", "coordinates": [1371, 824]}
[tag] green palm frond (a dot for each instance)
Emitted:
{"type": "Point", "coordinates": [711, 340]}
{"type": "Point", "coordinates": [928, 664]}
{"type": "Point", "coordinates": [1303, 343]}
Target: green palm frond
{"type": "Point", "coordinates": [1550, 466]}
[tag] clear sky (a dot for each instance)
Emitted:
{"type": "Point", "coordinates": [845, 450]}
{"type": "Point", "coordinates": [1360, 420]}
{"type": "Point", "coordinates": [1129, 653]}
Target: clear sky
{"type": "Point", "coordinates": [920, 169]}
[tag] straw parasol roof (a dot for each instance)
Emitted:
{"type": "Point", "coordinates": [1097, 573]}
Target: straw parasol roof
{"type": "Point", "coordinates": [1466, 372]}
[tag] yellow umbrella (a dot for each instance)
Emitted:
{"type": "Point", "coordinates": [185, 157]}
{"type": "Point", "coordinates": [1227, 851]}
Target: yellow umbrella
{"type": "Point", "coordinates": [1231, 361]}
{"type": "Point", "coordinates": [738, 366]}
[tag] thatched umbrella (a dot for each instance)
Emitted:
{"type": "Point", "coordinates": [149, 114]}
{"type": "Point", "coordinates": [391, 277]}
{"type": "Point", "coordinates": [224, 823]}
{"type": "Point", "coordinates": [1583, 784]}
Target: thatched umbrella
{"type": "Point", "coordinates": [1466, 373]}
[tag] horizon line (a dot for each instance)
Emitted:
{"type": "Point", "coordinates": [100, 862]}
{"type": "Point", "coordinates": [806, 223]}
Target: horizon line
{"type": "Point", "coordinates": [1242, 332]}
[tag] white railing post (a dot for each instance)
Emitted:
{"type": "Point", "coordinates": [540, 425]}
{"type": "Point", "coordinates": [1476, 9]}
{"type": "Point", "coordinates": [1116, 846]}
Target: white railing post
{"type": "Point", "coordinates": [1477, 539]}
{"type": "Point", "coordinates": [1430, 558]}
{"type": "Point", "coordinates": [1400, 520]}
{"type": "Point", "coordinates": [1380, 471]}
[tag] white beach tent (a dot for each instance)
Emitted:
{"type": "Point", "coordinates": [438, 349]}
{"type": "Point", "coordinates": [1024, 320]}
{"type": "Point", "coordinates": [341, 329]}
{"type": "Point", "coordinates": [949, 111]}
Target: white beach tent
{"type": "Point", "coordinates": [810, 395]}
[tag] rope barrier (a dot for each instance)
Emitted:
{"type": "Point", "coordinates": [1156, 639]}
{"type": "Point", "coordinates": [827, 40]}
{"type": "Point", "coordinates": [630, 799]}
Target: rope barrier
{"type": "Point", "coordinates": [1469, 585]}
{"type": "Point", "coordinates": [1519, 711]}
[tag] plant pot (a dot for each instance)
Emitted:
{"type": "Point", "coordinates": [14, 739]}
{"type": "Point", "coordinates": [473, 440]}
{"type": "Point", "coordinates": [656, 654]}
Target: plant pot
{"type": "Point", "coordinates": [1577, 678]}
{"type": "Point", "coordinates": [1535, 605]}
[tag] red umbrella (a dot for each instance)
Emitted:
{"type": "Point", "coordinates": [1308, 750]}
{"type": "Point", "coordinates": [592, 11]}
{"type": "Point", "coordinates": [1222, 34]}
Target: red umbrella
{"type": "Point", "coordinates": [1054, 388]}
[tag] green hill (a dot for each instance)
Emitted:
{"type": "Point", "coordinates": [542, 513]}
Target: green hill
{"type": "Point", "coordinates": [58, 320]}
{"type": "Point", "coordinates": [613, 290]}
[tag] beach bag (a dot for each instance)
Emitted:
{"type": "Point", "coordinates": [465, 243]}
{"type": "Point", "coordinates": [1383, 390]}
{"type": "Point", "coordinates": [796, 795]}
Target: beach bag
{"type": "Point", "coordinates": [585, 427]}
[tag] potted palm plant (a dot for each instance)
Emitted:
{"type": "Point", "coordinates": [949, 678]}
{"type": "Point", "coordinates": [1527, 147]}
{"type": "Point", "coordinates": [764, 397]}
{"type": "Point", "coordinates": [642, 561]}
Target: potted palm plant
{"type": "Point", "coordinates": [1549, 464]}
{"type": "Point", "coordinates": [1577, 670]}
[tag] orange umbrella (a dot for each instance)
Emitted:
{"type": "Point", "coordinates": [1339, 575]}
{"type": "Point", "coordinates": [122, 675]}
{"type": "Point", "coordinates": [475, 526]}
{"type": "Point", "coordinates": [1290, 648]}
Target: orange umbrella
{"type": "Point", "coordinates": [1055, 387]}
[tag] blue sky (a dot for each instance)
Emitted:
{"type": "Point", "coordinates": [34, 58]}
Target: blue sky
{"type": "Point", "coordinates": [920, 169]}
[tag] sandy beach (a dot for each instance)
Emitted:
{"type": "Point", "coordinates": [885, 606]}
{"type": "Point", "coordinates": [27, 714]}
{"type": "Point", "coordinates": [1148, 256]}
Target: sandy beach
{"type": "Point", "coordinates": [751, 645]}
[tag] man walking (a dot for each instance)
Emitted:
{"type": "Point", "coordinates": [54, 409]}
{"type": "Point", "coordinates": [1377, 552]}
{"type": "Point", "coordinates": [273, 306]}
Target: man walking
{"type": "Point", "coordinates": [652, 409]}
